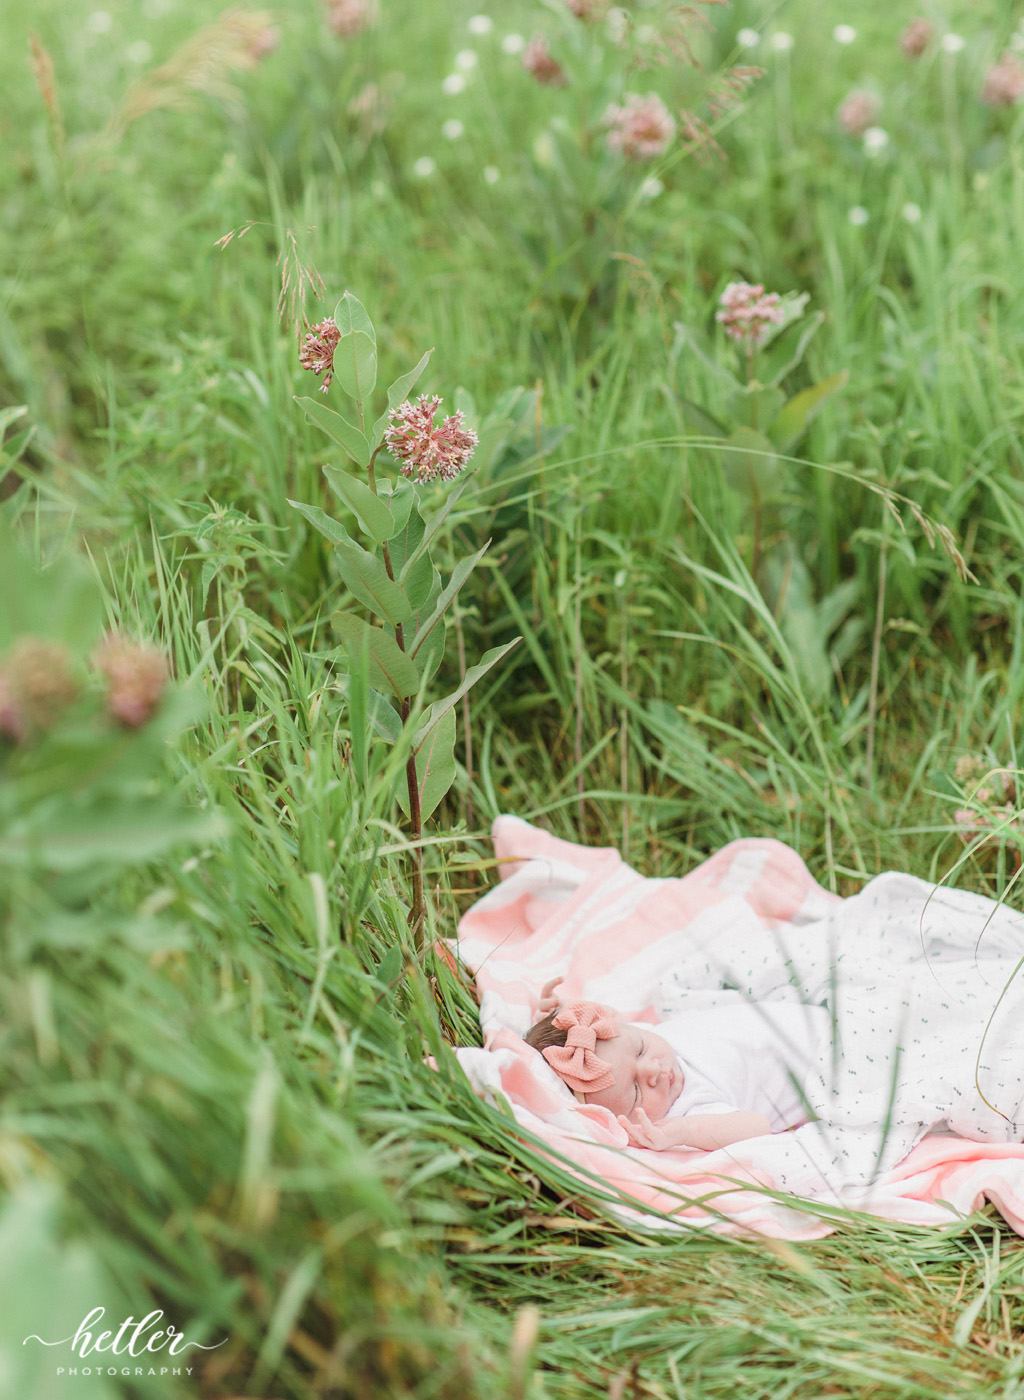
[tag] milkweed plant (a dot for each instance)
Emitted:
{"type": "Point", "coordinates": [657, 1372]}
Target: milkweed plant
{"type": "Point", "coordinates": [390, 574]}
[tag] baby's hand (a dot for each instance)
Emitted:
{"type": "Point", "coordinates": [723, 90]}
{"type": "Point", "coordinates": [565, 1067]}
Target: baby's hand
{"type": "Point", "coordinates": [547, 1001]}
{"type": "Point", "coordinates": [656, 1136]}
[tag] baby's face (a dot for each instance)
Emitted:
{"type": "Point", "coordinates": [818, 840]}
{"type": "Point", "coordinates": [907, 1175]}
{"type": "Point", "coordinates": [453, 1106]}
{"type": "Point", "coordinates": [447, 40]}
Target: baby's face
{"type": "Point", "coordinates": [647, 1074]}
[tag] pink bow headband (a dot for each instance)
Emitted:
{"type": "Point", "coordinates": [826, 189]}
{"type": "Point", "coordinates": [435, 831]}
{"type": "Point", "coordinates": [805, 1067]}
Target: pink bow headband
{"type": "Point", "coordinates": [577, 1061]}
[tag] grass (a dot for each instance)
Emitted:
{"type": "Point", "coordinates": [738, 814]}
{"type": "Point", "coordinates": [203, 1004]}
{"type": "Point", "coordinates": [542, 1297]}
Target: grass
{"type": "Point", "coordinates": [214, 1095]}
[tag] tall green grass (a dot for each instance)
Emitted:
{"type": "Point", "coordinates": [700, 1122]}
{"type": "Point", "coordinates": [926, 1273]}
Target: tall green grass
{"type": "Point", "coordinates": [215, 1094]}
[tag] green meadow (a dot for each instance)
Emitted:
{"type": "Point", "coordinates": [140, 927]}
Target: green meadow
{"type": "Point", "coordinates": [728, 590]}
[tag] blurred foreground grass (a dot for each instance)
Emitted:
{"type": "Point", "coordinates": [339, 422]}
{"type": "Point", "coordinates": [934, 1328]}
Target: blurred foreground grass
{"type": "Point", "coordinates": [214, 1094]}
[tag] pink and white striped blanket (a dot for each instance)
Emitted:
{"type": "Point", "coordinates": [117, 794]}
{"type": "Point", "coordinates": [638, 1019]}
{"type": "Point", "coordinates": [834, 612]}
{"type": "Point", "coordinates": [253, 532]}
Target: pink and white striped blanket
{"type": "Point", "coordinates": [650, 946]}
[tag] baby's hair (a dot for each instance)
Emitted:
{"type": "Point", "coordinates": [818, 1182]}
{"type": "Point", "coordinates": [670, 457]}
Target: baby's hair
{"type": "Point", "coordinates": [546, 1033]}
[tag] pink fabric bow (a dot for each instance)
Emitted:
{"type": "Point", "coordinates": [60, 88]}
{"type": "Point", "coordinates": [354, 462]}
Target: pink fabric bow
{"type": "Point", "coordinates": [577, 1060]}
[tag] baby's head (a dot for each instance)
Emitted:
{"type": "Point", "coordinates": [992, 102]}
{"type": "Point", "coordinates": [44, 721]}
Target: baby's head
{"type": "Point", "coordinates": [607, 1061]}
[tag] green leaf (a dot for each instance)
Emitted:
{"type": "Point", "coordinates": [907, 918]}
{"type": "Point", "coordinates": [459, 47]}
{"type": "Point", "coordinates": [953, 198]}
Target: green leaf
{"type": "Point", "coordinates": [421, 577]}
{"type": "Point", "coordinates": [431, 527]}
{"type": "Point", "coordinates": [326, 524]}
{"type": "Point", "coordinates": [371, 512]}
{"type": "Point", "coordinates": [390, 668]}
{"type": "Point", "coordinates": [435, 766]}
{"type": "Point", "coordinates": [381, 717]}
{"type": "Point", "coordinates": [351, 315]}
{"type": "Point", "coordinates": [401, 499]}
{"type": "Point", "coordinates": [355, 365]}
{"type": "Point", "coordinates": [441, 707]}
{"type": "Point", "coordinates": [755, 406]}
{"type": "Point", "coordinates": [460, 573]}
{"type": "Point", "coordinates": [404, 544]}
{"type": "Point", "coordinates": [398, 393]}
{"type": "Point", "coordinates": [122, 831]}
{"type": "Point", "coordinates": [366, 578]}
{"type": "Point", "coordinates": [338, 429]}
{"type": "Point", "coordinates": [792, 421]}
{"type": "Point", "coordinates": [705, 421]}
{"type": "Point", "coordinates": [750, 463]}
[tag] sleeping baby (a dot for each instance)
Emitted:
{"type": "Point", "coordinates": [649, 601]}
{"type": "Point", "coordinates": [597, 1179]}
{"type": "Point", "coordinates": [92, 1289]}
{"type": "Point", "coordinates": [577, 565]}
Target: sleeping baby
{"type": "Point", "coordinates": [706, 1079]}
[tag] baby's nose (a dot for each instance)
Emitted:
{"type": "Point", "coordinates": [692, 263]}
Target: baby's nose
{"type": "Point", "coordinates": [652, 1069]}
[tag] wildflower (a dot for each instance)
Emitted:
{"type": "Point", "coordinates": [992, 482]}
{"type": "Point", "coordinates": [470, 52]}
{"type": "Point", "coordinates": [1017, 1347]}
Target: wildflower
{"type": "Point", "coordinates": [748, 38]}
{"type": "Point", "coordinates": [916, 37]}
{"type": "Point", "coordinates": [876, 138]}
{"type": "Point", "coordinates": [424, 167]}
{"type": "Point", "coordinates": [1003, 85]}
{"type": "Point", "coordinates": [136, 676]}
{"type": "Point", "coordinates": [346, 18]}
{"type": "Point", "coordinates": [453, 84]}
{"type": "Point", "coordinates": [491, 174]}
{"type": "Point", "coordinates": [317, 353]}
{"type": "Point", "coordinates": [138, 53]}
{"type": "Point", "coordinates": [781, 41]}
{"type": "Point", "coordinates": [99, 22]}
{"type": "Point", "coordinates": [480, 24]}
{"type": "Point", "coordinates": [844, 34]}
{"type": "Point", "coordinates": [747, 312]}
{"type": "Point", "coordinates": [36, 684]}
{"type": "Point", "coordinates": [858, 216]}
{"type": "Point", "coordinates": [858, 112]}
{"type": "Point", "coordinates": [651, 188]}
{"type": "Point", "coordinates": [912, 213]}
{"type": "Point", "coordinates": [432, 453]}
{"type": "Point", "coordinates": [642, 129]}
{"type": "Point", "coordinates": [452, 130]}
{"type": "Point", "coordinates": [588, 9]}
{"type": "Point", "coordinates": [537, 60]}
{"type": "Point", "coordinates": [513, 44]}
{"type": "Point", "coordinates": [466, 60]}
{"type": "Point", "coordinates": [617, 24]}
{"type": "Point", "coordinates": [952, 43]}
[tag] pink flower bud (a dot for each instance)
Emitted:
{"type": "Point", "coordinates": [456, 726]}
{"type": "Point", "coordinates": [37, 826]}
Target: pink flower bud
{"type": "Point", "coordinates": [136, 676]}
{"type": "Point", "coordinates": [317, 353]}
{"type": "Point", "coordinates": [641, 129]}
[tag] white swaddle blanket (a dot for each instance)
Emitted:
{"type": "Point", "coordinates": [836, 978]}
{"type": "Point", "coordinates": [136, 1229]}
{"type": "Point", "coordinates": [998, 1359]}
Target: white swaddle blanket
{"type": "Point", "coordinates": [927, 1025]}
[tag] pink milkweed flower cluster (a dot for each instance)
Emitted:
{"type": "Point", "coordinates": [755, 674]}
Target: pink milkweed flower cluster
{"type": "Point", "coordinates": [37, 682]}
{"type": "Point", "coordinates": [431, 453]}
{"type": "Point", "coordinates": [642, 128]}
{"type": "Point", "coordinates": [1003, 85]}
{"type": "Point", "coordinates": [136, 675]}
{"type": "Point", "coordinates": [747, 312]}
{"type": "Point", "coordinates": [317, 352]}
{"type": "Point", "coordinates": [346, 18]}
{"type": "Point", "coordinates": [916, 37]}
{"type": "Point", "coordinates": [858, 112]}
{"type": "Point", "coordinates": [537, 60]}
{"type": "Point", "coordinates": [588, 9]}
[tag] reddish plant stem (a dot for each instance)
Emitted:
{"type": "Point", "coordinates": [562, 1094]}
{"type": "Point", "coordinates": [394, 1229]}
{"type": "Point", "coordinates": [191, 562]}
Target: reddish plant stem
{"type": "Point", "coordinates": [416, 913]}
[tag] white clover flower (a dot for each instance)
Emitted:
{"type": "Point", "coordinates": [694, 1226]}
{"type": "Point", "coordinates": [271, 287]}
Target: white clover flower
{"type": "Point", "coordinates": [651, 188]}
{"type": "Point", "coordinates": [876, 138]}
{"type": "Point", "coordinates": [139, 52]}
{"type": "Point", "coordinates": [424, 167]}
{"type": "Point", "coordinates": [480, 24]}
{"type": "Point", "coordinates": [748, 38]}
{"type": "Point", "coordinates": [513, 44]}
{"type": "Point", "coordinates": [844, 34]}
{"type": "Point", "coordinates": [453, 84]}
{"type": "Point", "coordinates": [912, 213]}
{"type": "Point", "coordinates": [646, 34]}
{"type": "Point", "coordinates": [858, 216]}
{"type": "Point", "coordinates": [466, 60]}
{"type": "Point", "coordinates": [781, 41]}
{"type": "Point", "coordinates": [491, 174]}
{"type": "Point", "coordinates": [452, 129]}
{"type": "Point", "coordinates": [99, 22]}
{"type": "Point", "coordinates": [953, 43]}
